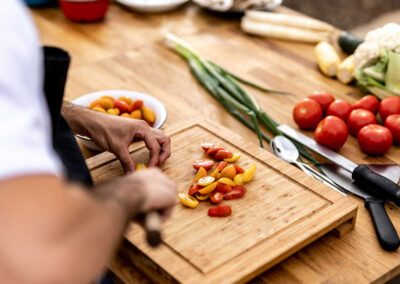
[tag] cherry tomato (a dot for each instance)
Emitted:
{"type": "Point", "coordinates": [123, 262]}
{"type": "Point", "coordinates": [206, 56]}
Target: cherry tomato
{"type": "Point", "coordinates": [331, 132]}
{"type": "Point", "coordinates": [216, 197]}
{"type": "Point", "coordinates": [122, 106]}
{"type": "Point", "coordinates": [239, 169]}
{"type": "Point", "coordinates": [393, 123]}
{"type": "Point", "coordinates": [206, 164]}
{"type": "Point", "coordinates": [307, 113]}
{"type": "Point", "coordinates": [194, 188]}
{"type": "Point", "coordinates": [375, 139]}
{"type": "Point", "coordinates": [237, 192]}
{"type": "Point", "coordinates": [222, 165]}
{"type": "Point", "coordinates": [222, 154]}
{"type": "Point", "coordinates": [388, 106]}
{"type": "Point", "coordinates": [222, 210]}
{"type": "Point", "coordinates": [323, 98]}
{"type": "Point", "coordinates": [136, 105]}
{"type": "Point", "coordinates": [368, 102]}
{"type": "Point", "coordinates": [206, 146]}
{"type": "Point", "coordinates": [358, 118]}
{"type": "Point", "coordinates": [223, 188]}
{"type": "Point", "coordinates": [213, 150]}
{"type": "Point", "coordinates": [339, 108]}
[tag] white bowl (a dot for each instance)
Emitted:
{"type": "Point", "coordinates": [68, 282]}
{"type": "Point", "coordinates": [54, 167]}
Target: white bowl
{"type": "Point", "coordinates": [152, 6]}
{"type": "Point", "coordinates": [149, 101]}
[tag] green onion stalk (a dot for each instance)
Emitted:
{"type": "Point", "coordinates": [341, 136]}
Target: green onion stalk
{"type": "Point", "coordinates": [225, 88]}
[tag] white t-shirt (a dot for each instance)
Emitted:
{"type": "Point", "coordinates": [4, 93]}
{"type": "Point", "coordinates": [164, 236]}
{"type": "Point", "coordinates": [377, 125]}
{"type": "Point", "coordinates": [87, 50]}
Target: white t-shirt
{"type": "Point", "coordinates": [25, 130]}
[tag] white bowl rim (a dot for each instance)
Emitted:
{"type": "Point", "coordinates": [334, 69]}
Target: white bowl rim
{"type": "Point", "coordinates": [119, 93]}
{"type": "Point", "coordinates": [152, 4]}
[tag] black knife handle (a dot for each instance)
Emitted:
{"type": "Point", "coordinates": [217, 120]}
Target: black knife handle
{"type": "Point", "coordinates": [384, 229]}
{"type": "Point", "coordinates": [376, 184]}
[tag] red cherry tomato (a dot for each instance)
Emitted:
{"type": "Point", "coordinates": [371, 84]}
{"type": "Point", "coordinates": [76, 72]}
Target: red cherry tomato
{"type": "Point", "coordinates": [136, 105]}
{"type": "Point", "coordinates": [222, 210]}
{"type": "Point", "coordinates": [358, 118]}
{"type": "Point", "coordinates": [239, 169]}
{"type": "Point", "coordinates": [323, 98]}
{"type": "Point", "coordinates": [339, 108]}
{"type": "Point", "coordinates": [216, 197]}
{"type": "Point", "coordinates": [223, 188]}
{"type": "Point", "coordinates": [213, 150]}
{"type": "Point", "coordinates": [368, 102]}
{"type": "Point", "coordinates": [222, 165]}
{"type": "Point", "coordinates": [194, 188]}
{"type": "Point", "coordinates": [388, 106]}
{"type": "Point", "coordinates": [207, 164]}
{"type": "Point", "coordinates": [122, 106]}
{"type": "Point", "coordinates": [237, 192]}
{"type": "Point", "coordinates": [375, 139]}
{"type": "Point", "coordinates": [392, 122]}
{"type": "Point", "coordinates": [331, 132]}
{"type": "Point", "coordinates": [307, 113]}
{"type": "Point", "coordinates": [206, 146]}
{"type": "Point", "coordinates": [223, 154]}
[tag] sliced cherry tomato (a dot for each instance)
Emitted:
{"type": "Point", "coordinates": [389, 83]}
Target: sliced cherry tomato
{"type": "Point", "coordinates": [194, 188]}
{"type": "Point", "coordinates": [136, 105]}
{"type": "Point", "coordinates": [238, 180]}
{"type": "Point", "coordinates": [234, 158]}
{"type": "Point", "coordinates": [122, 106]}
{"type": "Point", "coordinates": [358, 118]}
{"type": "Point", "coordinates": [202, 197]}
{"type": "Point", "coordinates": [222, 165]}
{"type": "Point", "coordinates": [368, 102]}
{"type": "Point", "coordinates": [213, 150]}
{"type": "Point", "coordinates": [307, 113]}
{"type": "Point", "coordinates": [223, 188]}
{"type": "Point", "coordinates": [140, 166]}
{"type": "Point", "coordinates": [223, 154]}
{"type": "Point", "coordinates": [237, 192]}
{"type": "Point", "coordinates": [208, 189]}
{"type": "Point", "coordinates": [249, 173]}
{"type": "Point", "coordinates": [215, 173]}
{"type": "Point", "coordinates": [393, 123]}
{"type": "Point", "coordinates": [206, 146]}
{"type": "Point", "coordinates": [388, 106]}
{"type": "Point", "coordinates": [228, 172]}
{"type": "Point", "coordinates": [339, 108]}
{"type": "Point", "coordinates": [324, 99]}
{"type": "Point", "coordinates": [187, 200]}
{"type": "Point", "coordinates": [216, 197]}
{"type": "Point", "coordinates": [204, 181]}
{"type": "Point", "coordinates": [205, 163]}
{"type": "Point", "coordinates": [375, 139]}
{"type": "Point", "coordinates": [239, 169]}
{"type": "Point", "coordinates": [222, 210]}
{"type": "Point", "coordinates": [202, 172]}
{"type": "Point", "coordinates": [331, 132]}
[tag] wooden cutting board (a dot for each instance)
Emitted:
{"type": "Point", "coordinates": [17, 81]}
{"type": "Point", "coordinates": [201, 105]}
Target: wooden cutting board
{"type": "Point", "coordinates": [282, 211]}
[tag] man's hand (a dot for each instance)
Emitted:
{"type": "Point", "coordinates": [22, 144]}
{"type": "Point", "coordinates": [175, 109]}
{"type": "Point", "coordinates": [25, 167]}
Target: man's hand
{"type": "Point", "coordinates": [115, 134]}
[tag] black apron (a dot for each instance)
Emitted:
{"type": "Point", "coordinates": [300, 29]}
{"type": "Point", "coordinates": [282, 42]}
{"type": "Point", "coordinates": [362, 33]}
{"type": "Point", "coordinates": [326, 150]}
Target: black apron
{"type": "Point", "coordinates": [56, 63]}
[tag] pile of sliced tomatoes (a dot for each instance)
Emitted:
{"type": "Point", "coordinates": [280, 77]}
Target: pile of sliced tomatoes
{"type": "Point", "coordinates": [224, 181]}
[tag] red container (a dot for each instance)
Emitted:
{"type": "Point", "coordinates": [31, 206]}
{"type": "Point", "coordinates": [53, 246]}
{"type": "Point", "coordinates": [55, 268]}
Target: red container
{"type": "Point", "coordinates": [84, 10]}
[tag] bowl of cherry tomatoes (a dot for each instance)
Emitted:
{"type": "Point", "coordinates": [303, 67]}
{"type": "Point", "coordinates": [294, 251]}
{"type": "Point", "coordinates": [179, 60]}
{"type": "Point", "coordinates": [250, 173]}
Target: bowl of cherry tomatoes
{"type": "Point", "coordinates": [126, 104]}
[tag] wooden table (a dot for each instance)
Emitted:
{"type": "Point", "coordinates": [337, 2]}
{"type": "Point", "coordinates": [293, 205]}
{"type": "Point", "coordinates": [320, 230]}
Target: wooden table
{"type": "Point", "coordinates": [127, 51]}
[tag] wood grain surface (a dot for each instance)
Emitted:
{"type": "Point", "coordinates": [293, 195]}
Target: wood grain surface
{"type": "Point", "coordinates": [126, 51]}
{"type": "Point", "coordinates": [282, 211]}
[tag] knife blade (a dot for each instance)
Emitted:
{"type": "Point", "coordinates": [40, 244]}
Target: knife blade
{"type": "Point", "coordinates": [370, 181]}
{"type": "Point", "coordinates": [385, 231]}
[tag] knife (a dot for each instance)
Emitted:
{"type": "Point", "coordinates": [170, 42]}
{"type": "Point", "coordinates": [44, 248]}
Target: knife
{"type": "Point", "coordinates": [386, 233]}
{"type": "Point", "coordinates": [374, 183]}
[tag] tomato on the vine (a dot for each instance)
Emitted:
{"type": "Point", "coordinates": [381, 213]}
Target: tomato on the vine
{"type": "Point", "coordinates": [375, 139]}
{"type": "Point", "coordinates": [358, 118]}
{"type": "Point", "coordinates": [339, 108]}
{"type": "Point", "coordinates": [368, 102]}
{"type": "Point", "coordinates": [393, 123]}
{"type": "Point", "coordinates": [307, 113]}
{"type": "Point", "coordinates": [323, 98]}
{"type": "Point", "coordinates": [331, 132]}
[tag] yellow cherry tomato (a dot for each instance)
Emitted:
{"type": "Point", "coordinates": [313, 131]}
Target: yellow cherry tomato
{"type": "Point", "coordinates": [117, 111]}
{"type": "Point", "coordinates": [127, 115]}
{"type": "Point", "coordinates": [111, 111]}
{"type": "Point", "coordinates": [202, 197]}
{"type": "Point", "coordinates": [106, 103]}
{"type": "Point", "coordinates": [202, 172]}
{"type": "Point", "coordinates": [204, 181]}
{"type": "Point", "coordinates": [141, 166]}
{"type": "Point", "coordinates": [148, 114]}
{"type": "Point", "coordinates": [136, 114]}
{"type": "Point", "coordinates": [99, 109]}
{"type": "Point", "coordinates": [249, 173]}
{"type": "Point", "coordinates": [215, 172]}
{"type": "Point", "coordinates": [187, 200]}
{"type": "Point", "coordinates": [228, 172]}
{"type": "Point", "coordinates": [108, 97]}
{"type": "Point", "coordinates": [208, 189]}
{"type": "Point", "coordinates": [94, 103]}
{"type": "Point", "coordinates": [226, 181]}
{"type": "Point", "coordinates": [129, 101]}
{"type": "Point", "coordinates": [234, 158]}
{"type": "Point", "coordinates": [238, 179]}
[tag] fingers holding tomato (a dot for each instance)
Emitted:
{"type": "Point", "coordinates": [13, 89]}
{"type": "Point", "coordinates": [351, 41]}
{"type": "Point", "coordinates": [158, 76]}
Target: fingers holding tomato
{"type": "Point", "coordinates": [331, 132]}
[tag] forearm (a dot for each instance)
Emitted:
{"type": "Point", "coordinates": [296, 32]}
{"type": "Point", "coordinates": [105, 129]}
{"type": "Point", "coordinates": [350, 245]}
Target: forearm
{"type": "Point", "coordinates": [79, 118]}
{"type": "Point", "coordinates": [64, 234]}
